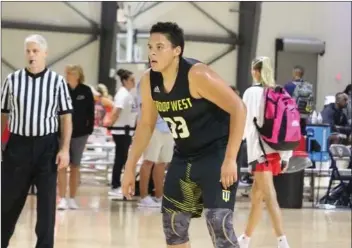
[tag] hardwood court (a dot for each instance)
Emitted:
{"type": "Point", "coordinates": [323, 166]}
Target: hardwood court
{"type": "Point", "coordinates": [101, 223]}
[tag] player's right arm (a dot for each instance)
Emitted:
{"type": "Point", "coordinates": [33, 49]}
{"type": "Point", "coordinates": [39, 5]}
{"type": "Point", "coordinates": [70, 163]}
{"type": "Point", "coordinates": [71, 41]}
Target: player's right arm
{"type": "Point", "coordinates": [145, 125]}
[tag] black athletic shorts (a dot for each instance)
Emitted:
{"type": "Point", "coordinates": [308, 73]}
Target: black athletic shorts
{"type": "Point", "coordinates": [194, 183]}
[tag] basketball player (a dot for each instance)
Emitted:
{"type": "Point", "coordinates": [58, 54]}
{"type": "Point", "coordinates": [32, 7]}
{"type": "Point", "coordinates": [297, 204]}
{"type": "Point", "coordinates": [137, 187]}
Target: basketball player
{"type": "Point", "coordinates": [263, 186]}
{"type": "Point", "coordinates": [206, 119]}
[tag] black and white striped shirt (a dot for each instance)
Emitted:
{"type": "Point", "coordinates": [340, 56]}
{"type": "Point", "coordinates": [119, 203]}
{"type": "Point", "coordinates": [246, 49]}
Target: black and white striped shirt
{"type": "Point", "coordinates": [35, 101]}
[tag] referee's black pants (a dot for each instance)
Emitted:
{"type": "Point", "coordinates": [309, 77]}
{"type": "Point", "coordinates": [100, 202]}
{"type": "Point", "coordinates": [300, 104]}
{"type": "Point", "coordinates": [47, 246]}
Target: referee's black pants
{"type": "Point", "coordinates": [27, 161]}
{"type": "Point", "coordinates": [122, 144]}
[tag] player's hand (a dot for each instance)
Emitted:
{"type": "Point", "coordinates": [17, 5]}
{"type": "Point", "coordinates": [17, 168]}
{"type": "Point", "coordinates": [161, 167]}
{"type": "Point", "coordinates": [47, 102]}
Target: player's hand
{"type": "Point", "coordinates": [62, 159]}
{"type": "Point", "coordinates": [228, 173]}
{"type": "Point", "coordinates": [128, 184]}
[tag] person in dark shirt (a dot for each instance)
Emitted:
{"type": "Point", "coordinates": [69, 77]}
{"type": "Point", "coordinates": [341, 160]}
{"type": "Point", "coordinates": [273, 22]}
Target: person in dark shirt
{"type": "Point", "coordinates": [348, 109]}
{"type": "Point", "coordinates": [334, 115]}
{"type": "Point", "coordinates": [83, 124]}
{"type": "Point", "coordinates": [206, 119]}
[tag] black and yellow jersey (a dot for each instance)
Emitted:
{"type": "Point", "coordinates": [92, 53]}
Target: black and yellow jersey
{"type": "Point", "coordinates": [195, 124]}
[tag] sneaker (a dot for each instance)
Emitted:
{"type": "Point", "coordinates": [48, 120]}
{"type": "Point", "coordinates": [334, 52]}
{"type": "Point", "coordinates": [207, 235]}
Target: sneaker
{"type": "Point", "coordinates": [72, 204]}
{"type": "Point", "coordinates": [243, 241]}
{"type": "Point", "coordinates": [62, 204]}
{"type": "Point", "coordinates": [148, 202]}
{"type": "Point", "coordinates": [282, 242]}
{"type": "Point", "coordinates": [158, 199]}
{"type": "Point", "coordinates": [116, 193]}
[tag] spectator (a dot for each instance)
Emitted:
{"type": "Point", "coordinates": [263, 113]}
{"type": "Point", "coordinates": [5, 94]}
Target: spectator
{"type": "Point", "coordinates": [302, 92]}
{"type": "Point", "coordinates": [83, 123]}
{"type": "Point", "coordinates": [298, 72]}
{"type": "Point", "coordinates": [348, 109]}
{"type": "Point", "coordinates": [334, 115]}
{"type": "Point", "coordinates": [103, 105]}
{"type": "Point", "coordinates": [122, 122]}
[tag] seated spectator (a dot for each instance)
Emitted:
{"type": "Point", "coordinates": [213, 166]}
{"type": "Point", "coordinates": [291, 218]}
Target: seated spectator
{"type": "Point", "coordinates": [333, 114]}
{"type": "Point", "coordinates": [348, 109]}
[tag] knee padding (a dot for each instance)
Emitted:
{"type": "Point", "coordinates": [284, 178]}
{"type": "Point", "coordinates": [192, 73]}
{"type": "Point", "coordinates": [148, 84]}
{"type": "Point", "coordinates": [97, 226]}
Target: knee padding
{"type": "Point", "coordinates": [176, 227]}
{"type": "Point", "coordinates": [220, 226]}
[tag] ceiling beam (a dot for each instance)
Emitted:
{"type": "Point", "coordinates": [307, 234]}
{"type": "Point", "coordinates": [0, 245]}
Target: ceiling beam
{"type": "Point", "coordinates": [210, 17]}
{"type": "Point", "coordinates": [78, 12]}
{"type": "Point", "coordinates": [221, 55]}
{"type": "Point", "coordinates": [6, 24]}
{"type": "Point", "coordinates": [8, 64]}
{"type": "Point", "coordinates": [144, 34]}
{"type": "Point", "coordinates": [144, 10]}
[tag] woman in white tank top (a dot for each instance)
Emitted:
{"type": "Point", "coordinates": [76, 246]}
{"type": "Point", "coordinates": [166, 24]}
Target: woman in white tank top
{"type": "Point", "coordinates": [263, 186]}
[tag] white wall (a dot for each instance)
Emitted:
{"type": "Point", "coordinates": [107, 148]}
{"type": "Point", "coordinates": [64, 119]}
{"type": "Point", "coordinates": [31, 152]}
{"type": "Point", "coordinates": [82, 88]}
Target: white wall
{"type": "Point", "coordinates": [327, 21]}
{"type": "Point", "coordinates": [56, 13]}
{"type": "Point", "coordinates": [195, 23]}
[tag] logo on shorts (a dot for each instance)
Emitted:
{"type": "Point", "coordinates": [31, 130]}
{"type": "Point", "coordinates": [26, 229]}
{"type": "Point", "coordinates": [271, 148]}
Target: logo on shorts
{"type": "Point", "coordinates": [156, 89]}
{"type": "Point", "coordinates": [226, 195]}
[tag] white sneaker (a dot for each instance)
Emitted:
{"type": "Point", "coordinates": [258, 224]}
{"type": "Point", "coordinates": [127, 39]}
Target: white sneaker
{"type": "Point", "coordinates": [62, 204]}
{"type": "Point", "coordinates": [243, 241]}
{"type": "Point", "coordinates": [148, 202]}
{"type": "Point", "coordinates": [116, 193]}
{"type": "Point", "coordinates": [158, 199]}
{"type": "Point", "coordinates": [72, 204]}
{"type": "Point", "coordinates": [283, 242]}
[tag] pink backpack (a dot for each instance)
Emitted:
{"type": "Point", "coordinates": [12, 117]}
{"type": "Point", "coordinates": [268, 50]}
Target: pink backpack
{"type": "Point", "coordinates": [281, 128]}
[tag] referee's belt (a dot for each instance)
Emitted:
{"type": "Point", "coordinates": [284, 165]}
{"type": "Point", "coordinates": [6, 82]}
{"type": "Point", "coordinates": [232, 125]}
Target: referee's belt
{"type": "Point", "coordinates": [127, 129]}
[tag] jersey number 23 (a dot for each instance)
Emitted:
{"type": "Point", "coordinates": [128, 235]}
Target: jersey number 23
{"type": "Point", "coordinates": [178, 127]}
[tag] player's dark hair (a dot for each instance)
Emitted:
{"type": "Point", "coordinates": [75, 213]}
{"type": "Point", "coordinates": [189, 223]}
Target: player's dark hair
{"type": "Point", "coordinates": [172, 32]}
{"type": "Point", "coordinates": [124, 74]}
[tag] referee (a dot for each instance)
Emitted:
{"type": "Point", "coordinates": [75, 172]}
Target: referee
{"type": "Point", "coordinates": [35, 101]}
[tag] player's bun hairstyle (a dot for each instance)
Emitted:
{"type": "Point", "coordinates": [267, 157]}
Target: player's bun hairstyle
{"type": "Point", "coordinates": [172, 32]}
{"type": "Point", "coordinates": [124, 75]}
{"type": "Point", "coordinates": [263, 66]}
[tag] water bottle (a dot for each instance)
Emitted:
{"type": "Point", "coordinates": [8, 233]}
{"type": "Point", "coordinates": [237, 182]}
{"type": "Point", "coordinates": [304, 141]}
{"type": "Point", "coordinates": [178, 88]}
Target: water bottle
{"type": "Point", "coordinates": [314, 117]}
{"type": "Point", "coordinates": [319, 119]}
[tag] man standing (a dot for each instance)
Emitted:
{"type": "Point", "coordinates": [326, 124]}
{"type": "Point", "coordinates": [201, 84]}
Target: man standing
{"type": "Point", "coordinates": [302, 92]}
{"type": "Point", "coordinates": [36, 102]}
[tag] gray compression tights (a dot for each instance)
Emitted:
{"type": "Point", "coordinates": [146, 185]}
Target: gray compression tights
{"type": "Point", "coordinates": [219, 223]}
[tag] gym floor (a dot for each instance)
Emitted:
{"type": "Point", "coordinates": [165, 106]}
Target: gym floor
{"type": "Point", "coordinates": [102, 223]}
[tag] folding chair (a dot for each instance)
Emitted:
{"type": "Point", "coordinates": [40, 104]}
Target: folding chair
{"type": "Point", "coordinates": [339, 152]}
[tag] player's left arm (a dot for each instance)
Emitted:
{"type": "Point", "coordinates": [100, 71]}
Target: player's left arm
{"type": "Point", "coordinates": [208, 84]}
